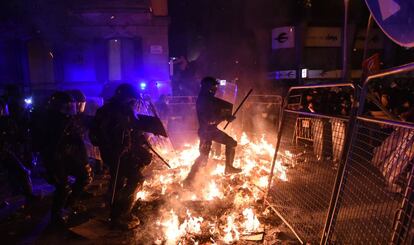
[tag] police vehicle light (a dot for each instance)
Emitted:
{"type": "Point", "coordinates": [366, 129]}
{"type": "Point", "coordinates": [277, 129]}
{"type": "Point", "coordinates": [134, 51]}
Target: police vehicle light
{"type": "Point", "coordinates": [222, 82]}
{"type": "Point", "coordinates": [143, 85]}
{"type": "Point", "coordinates": [28, 101]}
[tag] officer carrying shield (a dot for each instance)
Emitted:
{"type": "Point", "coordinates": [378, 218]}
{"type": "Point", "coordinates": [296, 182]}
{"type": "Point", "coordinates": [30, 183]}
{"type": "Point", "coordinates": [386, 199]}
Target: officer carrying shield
{"type": "Point", "coordinates": [209, 116]}
{"type": "Point", "coordinates": [117, 132]}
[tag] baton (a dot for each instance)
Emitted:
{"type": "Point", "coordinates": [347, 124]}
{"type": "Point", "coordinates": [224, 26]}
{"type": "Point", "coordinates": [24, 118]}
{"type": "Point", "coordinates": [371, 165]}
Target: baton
{"type": "Point", "coordinates": [158, 155]}
{"type": "Point", "coordinates": [116, 180]}
{"type": "Point", "coordinates": [118, 162]}
{"type": "Point", "coordinates": [238, 108]}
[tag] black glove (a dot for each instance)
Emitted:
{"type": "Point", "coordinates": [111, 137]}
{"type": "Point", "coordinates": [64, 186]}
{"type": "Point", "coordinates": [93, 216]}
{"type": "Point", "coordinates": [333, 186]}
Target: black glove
{"type": "Point", "coordinates": [230, 118]}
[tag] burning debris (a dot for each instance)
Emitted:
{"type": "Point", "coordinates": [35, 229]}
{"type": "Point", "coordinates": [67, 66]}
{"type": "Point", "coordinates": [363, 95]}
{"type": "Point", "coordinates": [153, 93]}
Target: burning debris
{"type": "Point", "coordinates": [219, 209]}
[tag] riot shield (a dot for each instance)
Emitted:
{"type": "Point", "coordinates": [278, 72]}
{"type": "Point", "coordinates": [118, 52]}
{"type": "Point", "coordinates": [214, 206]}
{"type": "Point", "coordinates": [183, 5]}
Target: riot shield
{"type": "Point", "coordinates": [227, 91]}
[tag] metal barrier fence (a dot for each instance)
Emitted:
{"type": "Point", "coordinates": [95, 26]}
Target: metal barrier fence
{"type": "Point", "coordinates": [261, 114]}
{"type": "Point", "coordinates": [310, 145]}
{"type": "Point", "coordinates": [350, 180]}
{"type": "Point", "coordinates": [376, 173]}
{"type": "Point", "coordinates": [374, 202]}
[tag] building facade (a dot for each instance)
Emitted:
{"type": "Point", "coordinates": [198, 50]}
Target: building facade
{"type": "Point", "coordinates": [87, 44]}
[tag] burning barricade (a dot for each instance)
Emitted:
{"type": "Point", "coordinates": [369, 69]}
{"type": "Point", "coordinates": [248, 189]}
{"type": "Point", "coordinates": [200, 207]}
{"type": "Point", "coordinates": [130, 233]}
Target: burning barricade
{"type": "Point", "coordinates": [219, 209]}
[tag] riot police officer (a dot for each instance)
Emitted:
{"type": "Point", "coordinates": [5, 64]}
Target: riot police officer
{"type": "Point", "coordinates": [118, 134]}
{"type": "Point", "coordinates": [63, 153]}
{"type": "Point", "coordinates": [208, 119]}
{"type": "Point", "coordinates": [10, 141]}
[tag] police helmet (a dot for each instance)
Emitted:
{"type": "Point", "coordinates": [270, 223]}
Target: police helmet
{"type": "Point", "coordinates": [126, 91]}
{"type": "Point", "coordinates": [59, 99]}
{"type": "Point", "coordinates": [77, 95]}
{"type": "Point", "coordinates": [209, 82]}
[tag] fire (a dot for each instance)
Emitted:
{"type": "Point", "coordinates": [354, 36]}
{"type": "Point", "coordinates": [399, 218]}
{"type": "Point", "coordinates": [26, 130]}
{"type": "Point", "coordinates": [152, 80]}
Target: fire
{"type": "Point", "coordinates": [174, 231]}
{"type": "Point", "coordinates": [193, 224]}
{"type": "Point", "coordinates": [219, 170]}
{"type": "Point", "coordinates": [280, 171]}
{"type": "Point", "coordinates": [186, 157]}
{"type": "Point", "coordinates": [251, 223]}
{"type": "Point", "coordinates": [244, 140]}
{"type": "Point", "coordinates": [243, 190]}
{"type": "Point", "coordinates": [263, 182]}
{"type": "Point", "coordinates": [212, 192]}
{"type": "Point", "coordinates": [142, 195]}
{"type": "Point", "coordinates": [231, 231]}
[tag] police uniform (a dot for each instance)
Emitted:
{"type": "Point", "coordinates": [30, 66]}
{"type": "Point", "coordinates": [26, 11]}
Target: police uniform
{"type": "Point", "coordinates": [208, 118]}
{"type": "Point", "coordinates": [118, 134]}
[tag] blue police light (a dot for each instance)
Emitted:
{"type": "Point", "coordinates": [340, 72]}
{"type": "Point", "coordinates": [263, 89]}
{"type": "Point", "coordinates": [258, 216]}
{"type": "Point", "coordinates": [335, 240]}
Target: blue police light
{"type": "Point", "coordinates": [28, 101]}
{"type": "Point", "coordinates": [143, 85]}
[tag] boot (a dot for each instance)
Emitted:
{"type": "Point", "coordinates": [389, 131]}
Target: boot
{"type": "Point", "coordinates": [230, 153]}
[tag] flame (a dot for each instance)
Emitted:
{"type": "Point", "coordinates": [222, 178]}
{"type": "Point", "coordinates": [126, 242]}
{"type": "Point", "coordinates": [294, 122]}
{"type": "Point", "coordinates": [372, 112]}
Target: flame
{"type": "Point", "coordinates": [231, 231]}
{"type": "Point", "coordinates": [142, 195]}
{"type": "Point", "coordinates": [212, 192]}
{"type": "Point", "coordinates": [186, 157]}
{"type": "Point", "coordinates": [244, 140]}
{"type": "Point", "coordinates": [251, 223]}
{"type": "Point", "coordinates": [241, 200]}
{"type": "Point", "coordinates": [174, 231]}
{"type": "Point", "coordinates": [219, 170]}
{"type": "Point", "coordinates": [193, 224]}
{"type": "Point", "coordinates": [254, 157]}
{"type": "Point", "coordinates": [263, 181]}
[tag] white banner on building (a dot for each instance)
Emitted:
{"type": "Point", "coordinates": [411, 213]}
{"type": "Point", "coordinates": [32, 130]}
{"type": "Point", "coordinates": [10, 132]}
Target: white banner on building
{"type": "Point", "coordinates": [283, 37]}
{"type": "Point", "coordinates": [323, 37]}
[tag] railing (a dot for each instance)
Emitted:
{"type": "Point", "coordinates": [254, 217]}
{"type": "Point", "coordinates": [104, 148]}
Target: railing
{"type": "Point", "coordinates": [310, 145]}
{"type": "Point", "coordinates": [261, 113]}
{"type": "Point", "coordinates": [350, 179]}
{"type": "Point", "coordinates": [374, 202]}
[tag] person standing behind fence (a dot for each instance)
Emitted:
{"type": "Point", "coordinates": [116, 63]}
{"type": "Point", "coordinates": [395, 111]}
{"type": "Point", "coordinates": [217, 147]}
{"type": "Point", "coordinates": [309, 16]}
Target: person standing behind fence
{"type": "Point", "coordinates": [208, 119]}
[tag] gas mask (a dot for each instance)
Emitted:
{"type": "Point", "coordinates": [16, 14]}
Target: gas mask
{"type": "Point", "coordinates": [68, 109]}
